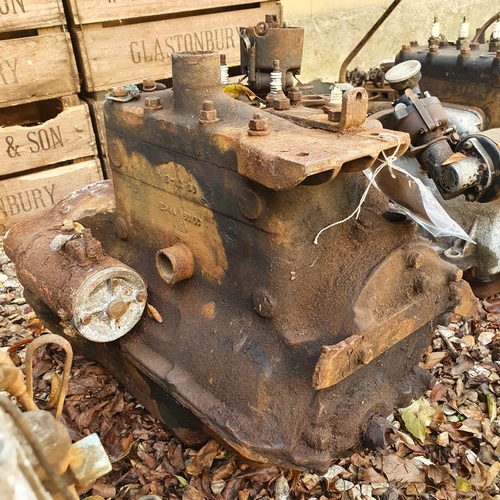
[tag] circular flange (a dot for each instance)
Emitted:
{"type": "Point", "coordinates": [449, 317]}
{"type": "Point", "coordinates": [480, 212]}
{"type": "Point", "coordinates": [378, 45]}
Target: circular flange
{"type": "Point", "coordinates": [109, 303]}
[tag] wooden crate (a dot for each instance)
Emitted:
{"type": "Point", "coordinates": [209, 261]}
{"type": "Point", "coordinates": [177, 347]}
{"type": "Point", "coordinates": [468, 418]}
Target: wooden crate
{"type": "Point", "coordinates": [117, 54]}
{"type": "Point", "coordinates": [16, 15]}
{"type": "Point", "coordinates": [37, 67]}
{"type": "Point", "coordinates": [52, 145]}
{"type": "Point", "coordinates": [89, 11]}
{"type": "Point", "coordinates": [34, 194]}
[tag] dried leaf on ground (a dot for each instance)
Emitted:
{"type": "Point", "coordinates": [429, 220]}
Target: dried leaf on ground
{"type": "Point", "coordinates": [398, 469]}
{"type": "Point", "coordinates": [417, 417]}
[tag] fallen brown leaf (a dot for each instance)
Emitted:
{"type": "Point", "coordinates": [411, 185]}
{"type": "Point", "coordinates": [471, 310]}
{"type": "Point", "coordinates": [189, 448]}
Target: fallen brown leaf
{"type": "Point", "coordinates": [153, 313]}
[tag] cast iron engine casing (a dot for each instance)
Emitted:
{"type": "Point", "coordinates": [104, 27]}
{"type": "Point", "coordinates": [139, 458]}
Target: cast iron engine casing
{"type": "Point", "coordinates": [288, 350]}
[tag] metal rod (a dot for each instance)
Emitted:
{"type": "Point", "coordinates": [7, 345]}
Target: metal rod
{"type": "Point", "coordinates": [362, 43]}
{"type": "Point", "coordinates": [485, 26]}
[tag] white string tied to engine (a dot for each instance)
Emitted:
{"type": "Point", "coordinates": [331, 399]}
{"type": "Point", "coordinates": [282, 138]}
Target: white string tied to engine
{"type": "Point", "coordinates": [388, 162]}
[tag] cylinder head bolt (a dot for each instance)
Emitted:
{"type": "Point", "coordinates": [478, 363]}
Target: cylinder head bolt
{"type": "Point", "coordinates": [109, 303]}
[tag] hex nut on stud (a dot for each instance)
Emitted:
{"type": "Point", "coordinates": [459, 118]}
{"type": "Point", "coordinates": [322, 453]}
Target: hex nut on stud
{"type": "Point", "coordinates": [119, 91]}
{"type": "Point", "coordinates": [148, 84]}
{"type": "Point", "coordinates": [334, 115]}
{"type": "Point", "coordinates": [258, 125]}
{"type": "Point", "coordinates": [208, 114]}
{"type": "Point", "coordinates": [152, 102]}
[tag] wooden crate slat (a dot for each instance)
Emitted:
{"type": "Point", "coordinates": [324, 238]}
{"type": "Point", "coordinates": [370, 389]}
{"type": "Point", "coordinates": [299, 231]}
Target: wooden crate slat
{"type": "Point", "coordinates": [18, 15]}
{"type": "Point", "coordinates": [34, 194]}
{"type": "Point", "coordinates": [37, 67]}
{"type": "Point", "coordinates": [89, 11]}
{"type": "Point", "coordinates": [68, 136]}
{"type": "Point", "coordinates": [125, 54]}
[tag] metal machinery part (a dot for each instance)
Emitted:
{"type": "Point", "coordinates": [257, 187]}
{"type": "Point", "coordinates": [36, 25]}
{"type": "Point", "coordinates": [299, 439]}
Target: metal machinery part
{"type": "Point", "coordinates": [469, 166]}
{"type": "Point", "coordinates": [265, 43]}
{"type": "Point", "coordinates": [68, 270]}
{"type": "Point", "coordinates": [289, 351]}
{"type": "Point", "coordinates": [37, 459]}
{"type": "Point", "coordinates": [455, 142]}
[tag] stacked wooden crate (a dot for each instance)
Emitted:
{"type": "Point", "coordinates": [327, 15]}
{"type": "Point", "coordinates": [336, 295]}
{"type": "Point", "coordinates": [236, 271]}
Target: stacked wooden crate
{"type": "Point", "coordinates": [124, 41]}
{"type": "Point", "coordinates": [47, 145]}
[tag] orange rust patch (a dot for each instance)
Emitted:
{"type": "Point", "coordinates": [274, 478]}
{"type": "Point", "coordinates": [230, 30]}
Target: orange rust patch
{"type": "Point", "coordinates": [208, 310]}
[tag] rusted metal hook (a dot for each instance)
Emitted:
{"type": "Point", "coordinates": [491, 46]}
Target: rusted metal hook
{"type": "Point", "coordinates": [64, 344]}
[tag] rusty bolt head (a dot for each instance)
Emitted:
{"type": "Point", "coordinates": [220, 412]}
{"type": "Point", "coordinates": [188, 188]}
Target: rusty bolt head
{"type": "Point", "coordinates": [85, 320]}
{"type": "Point", "coordinates": [405, 46]}
{"type": "Point", "coordinates": [364, 355]}
{"type": "Point", "coordinates": [118, 91]}
{"type": "Point", "coordinates": [295, 96]}
{"type": "Point", "coordinates": [433, 48]}
{"type": "Point", "coordinates": [148, 84]}
{"type": "Point", "coordinates": [258, 125]}
{"type": "Point", "coordinates": [208, 105]}
{"type": "Point", "coordinates": [152, 102]}
{"type": "Point", "coordinates": [142, 296]}
{"type": "Point", "coordinates": [415, 259]}
{"type": "Point", "coordinates": [208, 114]}
{"type": "Point", "coordinates": [334, 115]}
{"type": "Point", "coordinates": [467, 145]}
{"type": "Point", "coordinates": [281, 104]}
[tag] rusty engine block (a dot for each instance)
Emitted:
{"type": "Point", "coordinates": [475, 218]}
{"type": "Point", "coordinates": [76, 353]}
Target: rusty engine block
{"type": "Point", "coordinates": [291, 352]}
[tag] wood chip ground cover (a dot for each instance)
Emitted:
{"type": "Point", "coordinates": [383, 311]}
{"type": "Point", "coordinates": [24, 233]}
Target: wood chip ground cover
{"type": "Point", "coordinates": [446, 444]}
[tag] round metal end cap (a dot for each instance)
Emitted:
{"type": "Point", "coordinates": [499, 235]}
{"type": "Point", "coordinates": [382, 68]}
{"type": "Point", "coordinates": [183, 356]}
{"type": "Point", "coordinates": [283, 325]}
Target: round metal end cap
{"type": "Point", "coordinates": [403, 71]}
{"type": "Point", "coordinates": [109, 303]}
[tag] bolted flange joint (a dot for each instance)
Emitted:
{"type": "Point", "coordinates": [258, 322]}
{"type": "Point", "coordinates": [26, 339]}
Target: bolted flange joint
{"type": "Point", "coordinates": [258, 125]}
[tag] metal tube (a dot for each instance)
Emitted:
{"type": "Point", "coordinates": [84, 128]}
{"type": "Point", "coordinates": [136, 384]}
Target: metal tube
{"type": "Point", "coordinates": [362, 43]}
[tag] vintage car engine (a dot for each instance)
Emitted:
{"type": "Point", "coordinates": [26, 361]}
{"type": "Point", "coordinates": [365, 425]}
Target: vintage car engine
{"type": "Point", "coordinates": [456, 146]}
{"type": "Point", "coordinates": [292, 352]}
